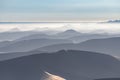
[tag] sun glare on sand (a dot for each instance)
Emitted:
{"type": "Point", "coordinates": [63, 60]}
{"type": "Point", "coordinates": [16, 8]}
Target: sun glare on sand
{"type": "Point", "coordinates": [52, 77]}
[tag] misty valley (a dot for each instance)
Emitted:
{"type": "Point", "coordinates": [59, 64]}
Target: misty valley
{"type": "Point", "coordinates": [62, 52]}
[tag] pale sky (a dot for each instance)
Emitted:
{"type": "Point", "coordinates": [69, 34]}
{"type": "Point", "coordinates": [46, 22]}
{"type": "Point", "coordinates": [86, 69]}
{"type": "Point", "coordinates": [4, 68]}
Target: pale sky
{"type": "Point", "coordinates": [58, 10]}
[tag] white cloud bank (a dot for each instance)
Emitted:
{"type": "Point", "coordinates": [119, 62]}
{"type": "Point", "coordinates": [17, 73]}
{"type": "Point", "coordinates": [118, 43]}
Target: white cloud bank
{"type": "Point", "coordinates": [82, 27]}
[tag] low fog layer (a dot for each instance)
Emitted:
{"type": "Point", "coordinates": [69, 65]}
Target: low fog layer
{"type": "Point", "coordinates": [82, 27]}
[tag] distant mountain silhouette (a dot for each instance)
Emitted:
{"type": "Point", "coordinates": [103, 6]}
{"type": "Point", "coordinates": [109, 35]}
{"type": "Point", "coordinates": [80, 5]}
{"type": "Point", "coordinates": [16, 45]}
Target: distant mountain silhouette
{"type": "Point", "coordinates": [27, 45]}
{"type": "Point", "coordinates": [8, 36]}
{"type": "Point", "coordinates": [106, 45]}
{"type": "Point", "coordinates": [61, 35]}
{"type": "Point", "coordinates": [85, 36]}
{"type": "Point", "coordinates": [35, 36]}
{"type": "Point", "coordinates": [71, 65]}
{"type": "Point", "coordinates": [73, 35]}
{"type": "Point", "coordinates": [68, 33]}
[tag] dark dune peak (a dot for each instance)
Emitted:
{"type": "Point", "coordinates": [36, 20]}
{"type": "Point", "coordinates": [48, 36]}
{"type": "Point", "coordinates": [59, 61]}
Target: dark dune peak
{"type": "Point", "coordinates": [69, 64]}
